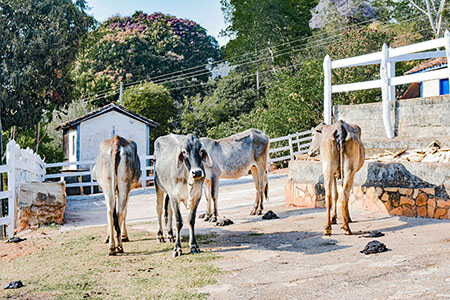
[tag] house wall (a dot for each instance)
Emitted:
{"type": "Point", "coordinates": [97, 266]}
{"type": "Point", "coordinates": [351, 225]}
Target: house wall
{"type": "Point", "coordinates": [100, 128]}
{"type": "Point", "coordinates": [430, 88]}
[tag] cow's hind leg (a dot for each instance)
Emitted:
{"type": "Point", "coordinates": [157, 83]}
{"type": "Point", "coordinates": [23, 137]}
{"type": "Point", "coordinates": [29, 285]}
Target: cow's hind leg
{"type": "Point", "coordinates": [258, 178]}
{"type": "Point", "coordinates": [110, 202]}
{"type": "Point", "coordinates": [328, 184]}
{"type": "Point", "coordinates": [214, 196]}
{"type": "Point", "coordinates": [124, 226]}
{"type": "Point", "coordinates": [192, 241]}
{"type": "Point", "coordinates": [348, 183]}
{"type": "Point", "coordinates": [176, 209]}
{"type": "Point", "coordinates": [159, 208]}
{"type": "Point", "coordinates": [334, 196]}
{"type": "Point", "coordinates": [168, 218]}
{"type": "Point", "coordinates": [207, 186]}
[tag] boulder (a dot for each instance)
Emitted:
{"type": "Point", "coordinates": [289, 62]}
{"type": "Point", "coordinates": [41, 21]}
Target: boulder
{"type": "Point", "coordinates": [40, 203]}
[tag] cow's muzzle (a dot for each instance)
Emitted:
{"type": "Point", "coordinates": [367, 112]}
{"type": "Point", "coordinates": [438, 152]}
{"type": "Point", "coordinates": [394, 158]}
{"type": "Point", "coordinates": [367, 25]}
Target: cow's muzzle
{"type": "Point", "coordinates": [197, 174]}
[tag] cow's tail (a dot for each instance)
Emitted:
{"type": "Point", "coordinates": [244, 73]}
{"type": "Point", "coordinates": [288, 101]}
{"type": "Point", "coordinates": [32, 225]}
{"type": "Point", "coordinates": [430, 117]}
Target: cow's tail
{"type": "Point", "coordinates": [115, 160]}
{"type": "Point", "coordinates": [166, 209]}
{"type": "Point", "coordinates": [340, 140]}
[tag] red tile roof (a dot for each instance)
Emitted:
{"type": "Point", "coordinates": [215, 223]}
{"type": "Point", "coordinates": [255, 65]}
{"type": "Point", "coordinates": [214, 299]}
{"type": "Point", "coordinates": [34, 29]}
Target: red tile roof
{"type": "Point", "coordinates": [431, 63]}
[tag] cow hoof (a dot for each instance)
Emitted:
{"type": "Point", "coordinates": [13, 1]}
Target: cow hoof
{"type": "Point", "coordinates": [327, 231]}
{"type": "Point", "coordinates": [107, 240]}
{"type": "Point", "coordinates": [125, 239]}
{"type": "Point", "coordinates": [253, 212]}
{"type": "Point", "coordinates": [259, 212]}
{"type": "Point", "coordinates": [161, 239]}
{"type": "Point", "coordinates": [213, 219]}
{"type": "Point", "coordinates": [119, 249]}
{"type": "Point", "coordinates": [195, 249]}
{"type": "Point", "coordinates": [177, 252]}
{"type": "Point", "coordinates": [112, 252]}
{"type": "Point", "coordinates": [347, 232]}
{"type": "Point", "coordinates": [206, 219]}
{"type": "Point", "coordinates": [202, 216]}
{"type": "Point", "coordinates": [333, 220]}
{"type": "Point", "coordinates": [350, 221]}
{"type": "Point", "coordinates": [171, 238]}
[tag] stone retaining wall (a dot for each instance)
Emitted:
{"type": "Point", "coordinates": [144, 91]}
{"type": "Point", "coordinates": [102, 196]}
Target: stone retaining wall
{"type": "Point", "coordinates": [375, 188]}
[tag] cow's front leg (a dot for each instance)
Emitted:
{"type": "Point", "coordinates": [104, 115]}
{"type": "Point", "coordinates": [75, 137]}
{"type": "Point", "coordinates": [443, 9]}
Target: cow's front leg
{"type": "Point", "coordinates": [159, 208]}
{"type": "Point", "coordinates": [192, 241]}
{"type": "Point", "coordinates": [179, 219]}
{"type": "Point", "coordinates": [169, 210]}
{"type": "Point", "coordinates": [328, 184]}
{"type": "Point", "coordinates": [258, 180]}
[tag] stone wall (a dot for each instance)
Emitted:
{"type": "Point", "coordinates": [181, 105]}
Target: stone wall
{"type": "Point", "coordinates": [407, 189]}
{"type": "Point", "coordinates": [40, 203]}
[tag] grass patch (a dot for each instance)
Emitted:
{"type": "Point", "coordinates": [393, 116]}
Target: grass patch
{"type": "Point", "coordinates": [76, 265]}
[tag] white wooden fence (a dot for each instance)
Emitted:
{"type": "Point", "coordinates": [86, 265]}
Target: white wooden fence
{"type": "Point", "coordinates": [386, 58]}
{"type": "Point", "coordinates": [22, 165]}
{"type": "Point", "coordinates": [146, 169]}
{"type": "Point", "coordinates": [297, 143]}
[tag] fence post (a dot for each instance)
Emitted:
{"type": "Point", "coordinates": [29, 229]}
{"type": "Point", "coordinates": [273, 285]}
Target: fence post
{"type": "Point", "coordinates": [291, 148]}
{"type": "Point", "coordinates": [447, 50]}
{"type": "Point", "coordinates": [92, 179]}
{"type": "Point", "coordinates": [143, 172]}
{"type": "Point", "coordinates": [391, 73]}
{"type": "Point", "coordinates": [11, 161]}
{"type": "Point", "coordinates": [327, 90]}
{"type": "Point", "coordinates": [384, 76]}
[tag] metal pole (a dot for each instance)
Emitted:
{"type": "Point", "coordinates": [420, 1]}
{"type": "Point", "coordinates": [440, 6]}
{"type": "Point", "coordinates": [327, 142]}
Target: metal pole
{"type": "Point", "coordinates": [327, 90]}
{"type": "Point", "coordinates": [121, 93]}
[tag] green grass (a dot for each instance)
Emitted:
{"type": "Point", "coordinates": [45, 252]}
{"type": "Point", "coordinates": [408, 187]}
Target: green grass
{"type": "Point", "coordinates": [76, 265]}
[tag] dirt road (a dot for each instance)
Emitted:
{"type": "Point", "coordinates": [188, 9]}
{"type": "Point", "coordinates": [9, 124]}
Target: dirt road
{"type": "Point", "coordinates": [289, 258]}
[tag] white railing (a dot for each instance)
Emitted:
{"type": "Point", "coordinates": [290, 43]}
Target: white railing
{"type": "Point", "coordinates": [386, 58]}
{"type": "Point", "coordinates": [22, 165]}
{"type": "Point", "coordinates": [297, 143]}
{"type": "Point", "coordinates": [147, 164]}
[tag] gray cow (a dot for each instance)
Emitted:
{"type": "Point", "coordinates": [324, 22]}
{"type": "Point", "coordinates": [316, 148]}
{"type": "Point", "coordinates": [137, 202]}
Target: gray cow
{"type": "Point", "coordinates": [179, 173]}
{"type": "Point", "coordinates": [233, 157]}
{"type": "Point", "coordinates": [117, 169]}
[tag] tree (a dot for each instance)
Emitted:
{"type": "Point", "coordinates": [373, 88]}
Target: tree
{"type": "Point", "coordinates": [234, 95]}
{"type": "Point", "coordinates": [257, 24]}
{"type": "Point", "coordinates": [332, 14]}
{"type": "Point", "coordinates": [292, 103]}
{"type": "Point", "coordinates": [40, 38]}
{"type": "Point", "coordinates": [142, 47]}
{"type": "Point", "coordinates": [154, 102]}
{"type": "Point", "coordinates": [436, 13]}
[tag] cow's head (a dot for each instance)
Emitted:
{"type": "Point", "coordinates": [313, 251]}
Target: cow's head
{"type": "Point", "coordinates": [314, 148]}
{"type": "Point", "coordinates": [193, 157]}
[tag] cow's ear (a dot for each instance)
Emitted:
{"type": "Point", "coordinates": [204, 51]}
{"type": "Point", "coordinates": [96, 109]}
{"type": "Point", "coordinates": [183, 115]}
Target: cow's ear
{"type": "Point", "coordinates": [205, 158]}
{"type": "Point", "coordinates": [180, 160]}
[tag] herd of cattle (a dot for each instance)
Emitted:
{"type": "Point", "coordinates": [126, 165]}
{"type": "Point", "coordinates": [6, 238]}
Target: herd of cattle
{"type": "Point", "coordinates": [185, 164]}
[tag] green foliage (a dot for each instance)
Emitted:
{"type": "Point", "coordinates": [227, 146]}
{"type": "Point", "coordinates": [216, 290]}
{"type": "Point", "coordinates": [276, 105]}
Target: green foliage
{"type": "Point", "coordinates": [39, 41]}
{"type": "Point", "coordinates": [357, 41]}
{"type": "Point", "coordinates": [293, 103]}
{"type": "Point", "coordinates": [234, 95]}
{"type": "Point", "coordinates": [256, 24]}
{"type": "Point", "coordinates": [142, 47]}
{"type": "Point", "coordinates": [154, 102]}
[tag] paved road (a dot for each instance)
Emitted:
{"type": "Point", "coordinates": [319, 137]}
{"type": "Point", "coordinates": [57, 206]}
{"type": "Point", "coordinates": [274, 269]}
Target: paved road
{"type": "Point", "coordinates": [240, 193]}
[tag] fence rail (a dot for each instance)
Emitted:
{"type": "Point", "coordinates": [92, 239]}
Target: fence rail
{"type": "Point", "coordinates": [297, 144]}
{"type": "Point", "coordinates": [386, 58]}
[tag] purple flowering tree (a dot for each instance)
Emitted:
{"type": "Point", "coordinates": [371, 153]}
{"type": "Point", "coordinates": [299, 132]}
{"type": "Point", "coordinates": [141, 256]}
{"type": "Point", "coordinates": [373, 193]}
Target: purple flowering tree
{"type": "Point", "coordinates": [332, 13]}
{"type": "Point", "coordinates": [142, 47]}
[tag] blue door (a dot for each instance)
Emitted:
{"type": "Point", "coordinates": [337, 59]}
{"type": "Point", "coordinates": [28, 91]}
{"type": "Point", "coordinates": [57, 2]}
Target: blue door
{"type": "Point", "coordinates": [443, 87]}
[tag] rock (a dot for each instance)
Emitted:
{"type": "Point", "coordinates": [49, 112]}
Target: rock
{"type": "Point", "coordinates": [15, 240]}
{"type": "Point", "coordinates": [422, 211]}
{"type": "Point", "coordinates": [406, 200]}
{"type": "Point", "coordinates": [40, 203]}
{"type": "Point", "coordinates": [373, 234]}
{"type": "Point", "coordinates": [421, 199]}
{"type": "Point", "coordinates": [270, 215]}
{"type": "Point", "coordinates": [385, 197]}
{"type": "Point", "coordinates": [374, 247]}
{"type": "Point", "coordinates": [14, 285]}
{"type": "Point", "coordinates": [224, 222]}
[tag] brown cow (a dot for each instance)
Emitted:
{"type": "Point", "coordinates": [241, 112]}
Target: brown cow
{"type": "Point", "coordinates": [342, 154]}
{"type": "Point", "coordinates": [117, 169]}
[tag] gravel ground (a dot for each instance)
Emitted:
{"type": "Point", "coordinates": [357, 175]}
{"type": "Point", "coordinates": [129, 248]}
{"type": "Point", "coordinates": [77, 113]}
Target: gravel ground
{"type": "Point", "coordinates": [289, 258]}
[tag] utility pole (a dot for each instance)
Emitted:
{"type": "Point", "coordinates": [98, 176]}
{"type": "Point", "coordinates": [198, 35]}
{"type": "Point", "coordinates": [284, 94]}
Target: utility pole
{"type": "Point", "coordinates": [121, 93]}
{"type": "Point", "coordinates": [257, 83]}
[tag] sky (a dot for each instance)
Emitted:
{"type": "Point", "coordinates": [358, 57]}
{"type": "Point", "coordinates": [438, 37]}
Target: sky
{"type": "Point", "coordinates": [207, 13]}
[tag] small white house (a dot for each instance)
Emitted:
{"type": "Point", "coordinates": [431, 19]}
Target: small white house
{"type": "Point", "coordinates": [83, 135]}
